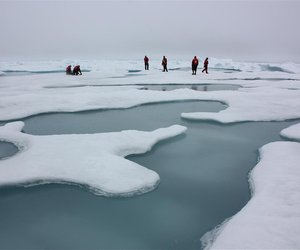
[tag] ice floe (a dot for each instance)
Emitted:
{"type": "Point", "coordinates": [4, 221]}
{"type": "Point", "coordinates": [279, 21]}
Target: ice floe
{"type": "Point", "coordinates": [292, 132]}
{"type": "Point", "coordinates": [92, 160]}
{"type": "Point", "coordinates": [269, 92]}
{"type": "Point", "coordinates": [252, 104]}
{"type": "Point", "coordinates": [256, 100]}
{"type": "Point", "coordinates": [271, 219]}
{"type": "Point", "coordinates": [25, 96]}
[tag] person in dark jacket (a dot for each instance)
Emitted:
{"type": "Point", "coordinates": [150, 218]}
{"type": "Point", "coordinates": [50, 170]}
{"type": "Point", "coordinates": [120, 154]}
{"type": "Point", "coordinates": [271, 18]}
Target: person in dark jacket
{"type": "Point", "coordinates": [205, 65]}
{"type": "Point", "coordinates": [164, 63]}
{"type": "Point", "coordinates": [146, 61]}
{"type": "Point", "coordinates": [69, 70]}
{"type": "Point", "coordinates": [76, 70]}
{"type": "Point", "coordinates": [195, 63]}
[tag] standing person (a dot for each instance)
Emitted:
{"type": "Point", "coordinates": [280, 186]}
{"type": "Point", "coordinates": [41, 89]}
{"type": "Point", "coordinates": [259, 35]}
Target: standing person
{"type": "Point", "coordinates": [195, 63]}
{"type": "Point", "coordinates": [164, 63]}
{"type": "Point", "coordinates": [205, 65]}
{"type": "Point", "coordinates": [146, 61]}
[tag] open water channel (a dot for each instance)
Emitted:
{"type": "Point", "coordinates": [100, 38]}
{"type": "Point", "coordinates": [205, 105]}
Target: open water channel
{"type": "Point", "coordinates": [204, 180]}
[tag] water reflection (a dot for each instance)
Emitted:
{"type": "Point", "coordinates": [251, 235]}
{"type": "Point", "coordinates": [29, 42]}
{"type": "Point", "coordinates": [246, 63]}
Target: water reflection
{"type": "Point", "coordinates": [196, 87]}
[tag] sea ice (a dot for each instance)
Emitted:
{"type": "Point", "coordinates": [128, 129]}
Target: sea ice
{"type": "Point", "coordinates": [256, 100]}
{"type": "Point", "coordinates": [92, 160]}
{"type": "Point", "coordinates": [271, 219]}
{"type": "Point", "coordinates": [269, 92]}
{"type": "Point", "coordinates": [292, 132]}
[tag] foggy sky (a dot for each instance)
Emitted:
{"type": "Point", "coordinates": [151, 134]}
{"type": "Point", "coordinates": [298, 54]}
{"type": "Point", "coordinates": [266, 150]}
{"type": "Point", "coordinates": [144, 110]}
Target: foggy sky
{"type": "Point", "coordinates": [241, 29]}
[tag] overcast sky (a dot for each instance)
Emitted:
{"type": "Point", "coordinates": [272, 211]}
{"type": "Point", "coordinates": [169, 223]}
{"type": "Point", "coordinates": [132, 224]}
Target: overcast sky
{"type": "Point", "coordinates": [238, 29]}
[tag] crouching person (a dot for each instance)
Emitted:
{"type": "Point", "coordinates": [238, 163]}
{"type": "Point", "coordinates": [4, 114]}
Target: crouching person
{"type": "Point", "coordinates": [76, 70]}
{"type": "Point", "coordinates": [69, 70]}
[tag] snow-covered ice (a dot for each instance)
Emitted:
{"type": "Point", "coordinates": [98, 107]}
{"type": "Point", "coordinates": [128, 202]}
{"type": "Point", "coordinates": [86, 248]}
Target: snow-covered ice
{"type": "Point", "coordinates": [268, 92]}
{"type": "Point", "coordinates": [253, 104]}
{"type": "Point", "coordinates": [292, 132]}
{"type": "Point", "coordinates": [256, 100]}
{"type": "Point", "coordinates": [271, 219]}
{"type": "Point", "coordinates": [92, 160]}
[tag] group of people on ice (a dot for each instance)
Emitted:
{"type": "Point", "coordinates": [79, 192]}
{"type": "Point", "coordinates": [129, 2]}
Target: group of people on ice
{"type": "Point", "coordinates": [195, 63]}
{"type": "Point", "coordinates": [164, 63]}
{"type": "Point", "coordinates": [76, 70]}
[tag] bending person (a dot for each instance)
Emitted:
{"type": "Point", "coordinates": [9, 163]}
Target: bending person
{"type": "Point", "coordinates": [76, 70]}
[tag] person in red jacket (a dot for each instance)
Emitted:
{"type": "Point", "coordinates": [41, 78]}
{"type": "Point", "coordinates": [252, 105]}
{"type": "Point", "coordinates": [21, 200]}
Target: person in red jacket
{"type": "Point", "coordinates": [164, 63]}
{"type": "Point", "coordinates": [205, 65]}
{"type": "Point", "coordinates": [69, 70]}
{"type": "Point", "coordinates": [76, 70]}
{"type": "Point", "coordinates": [195, 63]}
{"type": "Point", "coordinates": [146, 61]}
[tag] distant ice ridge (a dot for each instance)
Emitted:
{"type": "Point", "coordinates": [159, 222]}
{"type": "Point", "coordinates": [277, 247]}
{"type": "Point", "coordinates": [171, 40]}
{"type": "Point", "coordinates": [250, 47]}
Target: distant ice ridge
{"type": "Point", "coordinates": [271, 219]}
{"type": "Point", "coordinates": [122, 66]}
{"type": "Point", "coordinates": [64, 159]}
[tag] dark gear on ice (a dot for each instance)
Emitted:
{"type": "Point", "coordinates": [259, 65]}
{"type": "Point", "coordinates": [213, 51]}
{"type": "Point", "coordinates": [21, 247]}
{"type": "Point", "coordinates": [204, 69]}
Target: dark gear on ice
{"type": "Point", "coordinates": [195, 63]}
{"type": "Point", "coordinates": [164, 63]}
{"type": "Point", "coordinates": [146, 61]}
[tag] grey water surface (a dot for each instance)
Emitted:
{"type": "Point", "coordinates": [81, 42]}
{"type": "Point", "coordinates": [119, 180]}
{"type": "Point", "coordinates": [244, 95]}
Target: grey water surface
{"type": "Point", "coordinates": [204, 180]}
{"type": "Point", "coordinates": [7, 149]}
{"type": "Point", "coordinates": [197, 87]}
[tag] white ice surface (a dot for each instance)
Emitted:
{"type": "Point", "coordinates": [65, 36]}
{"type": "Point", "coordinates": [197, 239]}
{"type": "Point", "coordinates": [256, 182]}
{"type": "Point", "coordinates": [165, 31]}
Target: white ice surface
{"type": "Point", "coordinates": [116, 67]}
{"type": "Point", "coordinates": [292, 132]}
{"type": "Point", "coordinates": [93, 160]}
{"type": "Point", "coordinates": [262, 99]}
{"type": "Point", "coordinates": [257, 101]}
{"type": "Point", "coordinates": [271, 219]}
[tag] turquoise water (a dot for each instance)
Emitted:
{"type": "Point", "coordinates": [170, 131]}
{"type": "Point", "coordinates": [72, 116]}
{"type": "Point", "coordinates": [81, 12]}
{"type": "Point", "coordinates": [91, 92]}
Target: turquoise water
{"type": "Point", "coordinates": [203, 181]}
